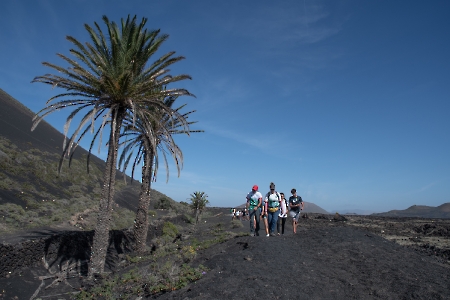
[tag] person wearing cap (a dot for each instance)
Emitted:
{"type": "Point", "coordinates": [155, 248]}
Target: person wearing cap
{"type": "Point", "coordinates": [296, 206]}
{"type": "Point", "coordinates": [272, 207]}
{"type": "Point", "coordinates": [254, 202]}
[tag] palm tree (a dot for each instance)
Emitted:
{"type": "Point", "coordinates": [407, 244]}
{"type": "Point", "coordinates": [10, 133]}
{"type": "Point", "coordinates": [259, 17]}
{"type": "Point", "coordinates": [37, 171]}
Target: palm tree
{"type": "Point", "coordinates": [151, 136]}
{"type": "Point", "coordinates": [198, 203]}
{"type": "Point", "coordinates": [111, 77]}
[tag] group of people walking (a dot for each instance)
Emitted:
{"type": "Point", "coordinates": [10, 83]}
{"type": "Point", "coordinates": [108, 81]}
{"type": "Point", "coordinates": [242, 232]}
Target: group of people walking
{"type": "Point", "coordinates": [273, 209]}
{"type": "Point", "coordinates": [239, 214]}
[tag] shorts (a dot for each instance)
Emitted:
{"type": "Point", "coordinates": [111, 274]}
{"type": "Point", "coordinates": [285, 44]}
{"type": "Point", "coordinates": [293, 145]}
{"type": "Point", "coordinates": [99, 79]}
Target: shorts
{"type": "Point", "coordinates": [294, 215]}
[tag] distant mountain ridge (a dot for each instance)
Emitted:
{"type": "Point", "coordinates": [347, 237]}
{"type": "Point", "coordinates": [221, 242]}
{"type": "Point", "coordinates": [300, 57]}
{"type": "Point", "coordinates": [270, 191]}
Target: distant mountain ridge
{"type": "Point", "coordinates": [420, 211]}
{"type": "Point", "coordinates": [313, 208]}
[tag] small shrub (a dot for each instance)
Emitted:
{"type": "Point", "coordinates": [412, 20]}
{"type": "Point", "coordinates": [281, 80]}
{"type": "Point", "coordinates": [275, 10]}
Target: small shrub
{"type": "Point", "coordinates": [189, 219]}
{"type": "Point", "coordinates": [102, 291]}
{"type": "Point", "coordinates": [217, 229]}
{"type": "Point", "coordinates": [56, 218]}
{"type": "Point", "coordinates": [169, 229]}
{"type": "Point", "coordinates": [236, 224]}
{"type": "Point", "coordinates": [171, 277]}
{"type": "Point", "coordinates": [188, 253]}
{"type": "Point", "coordinates": [163, 203]}
{"type": "Point", "coordinates": [122, 218]}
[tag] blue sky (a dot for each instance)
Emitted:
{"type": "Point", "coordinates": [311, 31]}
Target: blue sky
{"type": "Point", "coordinates": [347, 101]}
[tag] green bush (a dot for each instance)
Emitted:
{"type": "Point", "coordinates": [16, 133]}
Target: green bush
{"type": "Point", "coordinates": [236, 224]}
{"type": "Point", "coordinates": [217, 229]}
{"type": "Point", "coordinates": [189, 219]}
{"type": "Point", "coordinates": [122, 218]}
{"type": "Point", "coordinates": [172, 277]}
{"type": "Point", "coordinates": [169, 229]}
{"type": "Point", "coordinates": [163, 203]}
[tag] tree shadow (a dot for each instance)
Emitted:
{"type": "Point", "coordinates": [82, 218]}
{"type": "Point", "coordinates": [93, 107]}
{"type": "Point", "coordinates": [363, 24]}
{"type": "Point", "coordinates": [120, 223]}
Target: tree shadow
{"type": "Point", "coordinates": [70, 251]}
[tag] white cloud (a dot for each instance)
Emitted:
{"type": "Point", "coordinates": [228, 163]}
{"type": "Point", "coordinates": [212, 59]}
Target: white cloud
{"type": "Point", "coordinates": [258, 140]}
{"type": "Point", "coordinates": [290, 23]}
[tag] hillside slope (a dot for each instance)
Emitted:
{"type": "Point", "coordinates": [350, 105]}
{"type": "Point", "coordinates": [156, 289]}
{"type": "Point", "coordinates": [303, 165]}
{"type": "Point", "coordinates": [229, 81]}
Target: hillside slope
{"type": "Point", "coordinates": [33, 194]}
{"type": "Point", "coordinates": [420, 211]}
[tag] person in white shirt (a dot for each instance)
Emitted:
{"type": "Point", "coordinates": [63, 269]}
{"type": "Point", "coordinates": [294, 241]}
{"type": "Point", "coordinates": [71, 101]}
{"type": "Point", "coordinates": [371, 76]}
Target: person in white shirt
{"type": "Point", "coordinates": [282, 216]}
{"type": "Point", "coordinates": [272, 205]}
{"type": "Point", "coordinates": [254, 202]}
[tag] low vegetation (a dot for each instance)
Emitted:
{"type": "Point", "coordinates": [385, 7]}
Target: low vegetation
{"type": "Point", "coordinates": [35, 195]}
{"type": "Point", "coordinates": [166, 267]}
{"type": "Point", "coordinates": [163, 203]}
{"type": "Point", "coordinates": [152, 279]}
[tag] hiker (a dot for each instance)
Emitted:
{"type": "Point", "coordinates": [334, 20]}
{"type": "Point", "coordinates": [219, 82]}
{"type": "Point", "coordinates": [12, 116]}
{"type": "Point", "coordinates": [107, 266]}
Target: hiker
{"type": "Point", "coordinates": [282, 216]}
{"type": "Point", "coordinates": [264, 218]}
{"type": "Point", "coordinates": [295, 206]}
{"type": "Point", "coordinates": [272, 205]}
{"type": "Point", "coordinates": [254, 202]}
{"type": "Point", "coordinates": [233, 213]}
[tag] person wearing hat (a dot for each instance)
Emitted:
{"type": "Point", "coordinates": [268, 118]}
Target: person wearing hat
{"type": "Point", "coordinates": [254, 202]}
{"type": "Point", "coordinates": [295, 205]}
{"type": "Point", "coordinates": [272, 205]}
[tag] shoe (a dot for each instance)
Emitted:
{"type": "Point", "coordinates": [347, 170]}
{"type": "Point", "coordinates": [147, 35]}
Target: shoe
{"type": "Point", "coordinates": [278, 234]}
{"type": "Point", "coordinates": [257, 234]}
{"type": "Point", "coordinates": [272, 234]}
{"type": "Point", "coordinates": [267, 235]}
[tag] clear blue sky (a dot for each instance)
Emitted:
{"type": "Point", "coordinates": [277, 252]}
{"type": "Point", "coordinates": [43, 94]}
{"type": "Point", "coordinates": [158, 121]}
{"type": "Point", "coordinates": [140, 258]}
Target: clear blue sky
{"type": "Point", "coordinates": [347, 101]}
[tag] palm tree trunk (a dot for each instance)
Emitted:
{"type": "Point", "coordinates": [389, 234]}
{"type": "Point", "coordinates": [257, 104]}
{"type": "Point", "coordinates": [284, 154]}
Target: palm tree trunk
{"type": "Point", "coordinates": [141, 223]}
{"type": "Point", "coordinates": [101, 235]}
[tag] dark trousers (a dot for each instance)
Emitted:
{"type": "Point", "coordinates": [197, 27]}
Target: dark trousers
{"type": "Point", "coordinates": [254, 228]}
{"type": "Point", "coordinates": [280, 223]}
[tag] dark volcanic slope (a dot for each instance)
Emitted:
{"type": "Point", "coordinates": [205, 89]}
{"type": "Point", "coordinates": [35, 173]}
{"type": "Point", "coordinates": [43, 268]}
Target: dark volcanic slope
{"type": "Point", "coordinates": [15, 125]}
{"type": "Point", "coordinates": [317, 263]}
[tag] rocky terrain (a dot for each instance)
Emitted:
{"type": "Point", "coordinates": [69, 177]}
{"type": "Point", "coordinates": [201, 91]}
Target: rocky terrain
{"type": "Point", "coordinates": [331, 257]}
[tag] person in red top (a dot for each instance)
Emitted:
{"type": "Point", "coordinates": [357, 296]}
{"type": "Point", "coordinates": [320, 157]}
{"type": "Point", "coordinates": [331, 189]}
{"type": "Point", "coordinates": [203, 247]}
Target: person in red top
{"type": "Point", "coordinates": [254, 202]}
